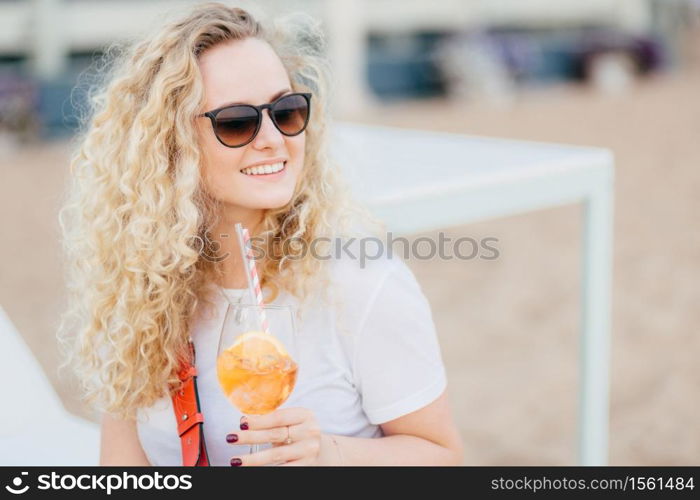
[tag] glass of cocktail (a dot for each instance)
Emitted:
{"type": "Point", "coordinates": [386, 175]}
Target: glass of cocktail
{"type": "Point", "coordinates": [256, 369]}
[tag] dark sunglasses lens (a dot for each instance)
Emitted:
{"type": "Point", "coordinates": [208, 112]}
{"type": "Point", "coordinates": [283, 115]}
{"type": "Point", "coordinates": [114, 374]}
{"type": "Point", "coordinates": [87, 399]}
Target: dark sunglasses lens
{"type": "Point", "coordinates": [236, 125]}
{"type": "Point", "coordinates": [291, 114]}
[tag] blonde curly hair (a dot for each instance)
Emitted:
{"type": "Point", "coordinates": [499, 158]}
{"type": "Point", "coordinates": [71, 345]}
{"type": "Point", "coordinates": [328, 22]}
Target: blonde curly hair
{"type": "Point", "coordinates": [136, 204]}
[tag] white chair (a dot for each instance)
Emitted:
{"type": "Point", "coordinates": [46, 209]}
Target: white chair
{"type": "Point", "coordinates": [35, 428]}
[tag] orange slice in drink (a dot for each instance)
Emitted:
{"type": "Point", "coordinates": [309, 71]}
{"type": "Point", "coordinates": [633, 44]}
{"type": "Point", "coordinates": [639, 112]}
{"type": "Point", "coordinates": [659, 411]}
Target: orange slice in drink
{"type": "Point", "coordinates": [257, 345]}
{"type": "Point", "coordinates": [256, 372]}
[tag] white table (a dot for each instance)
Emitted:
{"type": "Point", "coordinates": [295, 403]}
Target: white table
{"type": "Point", "coordinates": [421, 181]}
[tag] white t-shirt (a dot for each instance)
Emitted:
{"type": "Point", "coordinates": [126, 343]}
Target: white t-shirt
{"type": "Point", "coordinates": [372, 360]}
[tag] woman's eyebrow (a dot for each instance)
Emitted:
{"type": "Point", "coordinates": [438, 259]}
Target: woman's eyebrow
{"type": "Point", "coordinates": [278, 94]}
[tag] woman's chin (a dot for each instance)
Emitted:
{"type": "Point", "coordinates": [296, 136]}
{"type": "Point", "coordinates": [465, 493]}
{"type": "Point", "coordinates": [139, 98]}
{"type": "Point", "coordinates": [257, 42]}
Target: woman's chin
{"type": "Point", "coordinates": [268, 203]}
{"type": "Point", "coordinates": [276, 205]}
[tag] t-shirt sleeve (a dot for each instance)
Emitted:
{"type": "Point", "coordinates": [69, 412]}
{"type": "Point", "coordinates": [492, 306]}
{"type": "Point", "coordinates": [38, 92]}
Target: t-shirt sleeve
{"type": "Point", "coordinates": [397, 363]}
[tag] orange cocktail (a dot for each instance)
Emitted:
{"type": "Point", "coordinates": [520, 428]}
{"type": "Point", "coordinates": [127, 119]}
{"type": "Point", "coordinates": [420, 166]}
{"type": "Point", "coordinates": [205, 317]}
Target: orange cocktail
{"type": "Point", "coordinates": [256, 373]}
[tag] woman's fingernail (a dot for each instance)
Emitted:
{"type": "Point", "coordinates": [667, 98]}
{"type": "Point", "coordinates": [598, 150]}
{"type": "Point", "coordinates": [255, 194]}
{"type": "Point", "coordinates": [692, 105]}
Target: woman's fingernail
{"type": "Point", "coordinates": [244, 426]}
{"type": "Point", "coordinates": [236, 462]}
{"type": "Point", "coordinates": [231, 438]}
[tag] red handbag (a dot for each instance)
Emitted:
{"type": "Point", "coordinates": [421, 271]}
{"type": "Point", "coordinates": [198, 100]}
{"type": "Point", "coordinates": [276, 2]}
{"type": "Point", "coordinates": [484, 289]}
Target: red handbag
{"type": "Point", "coordinates": [190, 421]}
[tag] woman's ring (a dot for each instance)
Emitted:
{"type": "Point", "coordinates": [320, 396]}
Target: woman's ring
{"type": "Point", "coordinates": [289, 439]}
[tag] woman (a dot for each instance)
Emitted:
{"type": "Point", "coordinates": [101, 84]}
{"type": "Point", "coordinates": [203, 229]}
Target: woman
{"type": "Point", "coordinates": [160, 179]}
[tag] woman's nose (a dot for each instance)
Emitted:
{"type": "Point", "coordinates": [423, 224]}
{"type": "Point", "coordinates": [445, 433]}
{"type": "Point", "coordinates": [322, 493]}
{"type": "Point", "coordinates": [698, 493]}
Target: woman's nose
{"type": "Point", "coordinates": [268, 133]}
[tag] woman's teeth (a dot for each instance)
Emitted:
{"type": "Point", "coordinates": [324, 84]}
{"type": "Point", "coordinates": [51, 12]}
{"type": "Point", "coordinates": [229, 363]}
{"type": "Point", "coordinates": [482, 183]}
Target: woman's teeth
{"type": "Point", "coordinates": [263, 169]}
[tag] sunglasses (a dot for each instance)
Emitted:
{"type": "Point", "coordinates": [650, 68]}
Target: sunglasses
{"type": "Point", "coordinates": [238, 124]}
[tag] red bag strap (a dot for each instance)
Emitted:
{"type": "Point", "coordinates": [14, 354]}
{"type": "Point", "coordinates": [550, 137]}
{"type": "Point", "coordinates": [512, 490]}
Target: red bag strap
{"type": "Point", "coordinates": [189, 418]}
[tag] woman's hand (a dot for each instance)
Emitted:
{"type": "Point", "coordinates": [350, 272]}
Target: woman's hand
{"type": "Point", "coordinates": [294, 433]}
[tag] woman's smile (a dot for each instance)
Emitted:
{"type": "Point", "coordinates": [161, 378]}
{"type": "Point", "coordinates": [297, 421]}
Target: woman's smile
{"type": "Point", "coordinates": [270, 171]}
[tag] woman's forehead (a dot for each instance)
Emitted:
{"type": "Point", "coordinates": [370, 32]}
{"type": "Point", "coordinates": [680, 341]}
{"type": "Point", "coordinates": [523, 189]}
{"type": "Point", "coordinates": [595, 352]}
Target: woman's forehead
{"type": "Point", "coordinates": [246, 71]}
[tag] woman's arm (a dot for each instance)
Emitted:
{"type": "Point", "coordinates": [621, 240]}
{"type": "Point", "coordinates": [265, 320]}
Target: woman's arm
{"type": "Point", "coordinates": [427, 436]}
{"type": "Point", "coordinates": [119, 443]}
{"type": "Point", "coordinates": [424, 437]}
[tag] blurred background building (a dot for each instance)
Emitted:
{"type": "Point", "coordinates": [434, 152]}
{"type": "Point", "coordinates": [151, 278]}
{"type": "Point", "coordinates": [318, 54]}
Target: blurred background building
{"type": "Point", "coordinates": [618, 74]}
{"type": "Point", "coordinates": [390, 49]}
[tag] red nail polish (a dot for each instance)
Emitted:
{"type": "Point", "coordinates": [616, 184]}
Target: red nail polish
{"type": "Point", "coordinates": [244, 426]}
{"type": "Point", "coordinates": [231, 438]}
{"type": "Point", "coordinates": [236, 462]}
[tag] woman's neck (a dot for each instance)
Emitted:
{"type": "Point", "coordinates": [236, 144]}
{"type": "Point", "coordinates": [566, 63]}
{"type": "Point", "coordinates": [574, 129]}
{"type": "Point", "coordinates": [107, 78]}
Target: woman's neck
{"type": "Point", "coordinates": [226, 250]}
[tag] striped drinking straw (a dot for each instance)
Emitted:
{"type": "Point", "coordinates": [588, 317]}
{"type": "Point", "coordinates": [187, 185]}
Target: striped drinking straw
{"type": "Point", "coordinates": [251, 273]}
